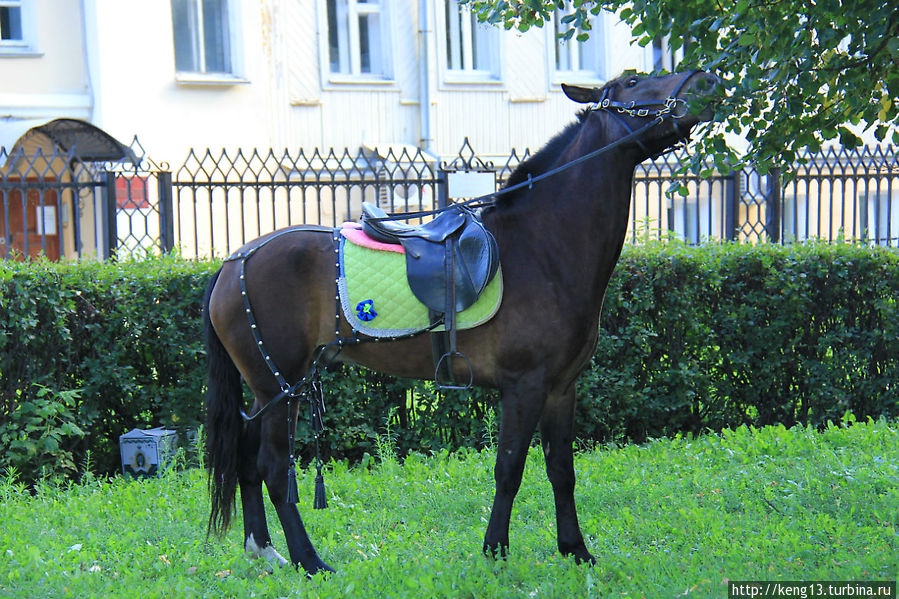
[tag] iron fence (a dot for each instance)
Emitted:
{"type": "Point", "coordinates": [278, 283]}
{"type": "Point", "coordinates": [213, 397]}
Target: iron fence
{"type": "Point", "coordinates": [55, 204]}
{"type": "Point", "coordinates": [223, 200]}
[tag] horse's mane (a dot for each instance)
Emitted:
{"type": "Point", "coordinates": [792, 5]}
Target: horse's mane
{"type": "Point", "coordinates": [546, 157]}
{"type": "Point", "coordinates": [543, 160]}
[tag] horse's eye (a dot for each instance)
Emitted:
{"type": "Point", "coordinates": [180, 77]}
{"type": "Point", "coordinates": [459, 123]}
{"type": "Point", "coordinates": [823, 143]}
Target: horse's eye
{"type": "Point", "coordinates": [632, 82]}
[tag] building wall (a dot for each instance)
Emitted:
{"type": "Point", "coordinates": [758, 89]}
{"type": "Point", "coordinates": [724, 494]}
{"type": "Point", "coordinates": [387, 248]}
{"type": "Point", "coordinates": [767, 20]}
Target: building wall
{"type": "Point", "coordinates": [51, 78]}
{"type": "Point", "coordinates": [327, 111]}
{"type": "Point", "coordinates": [138, 93]}
{"type": "Point", "coordinates": [112, 62]}
{"type": "Point", "coordinates": [524, 108]}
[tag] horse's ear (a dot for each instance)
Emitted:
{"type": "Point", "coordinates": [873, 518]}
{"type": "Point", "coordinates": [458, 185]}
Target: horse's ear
{"type": "Point", "coordinates": [584, 95]}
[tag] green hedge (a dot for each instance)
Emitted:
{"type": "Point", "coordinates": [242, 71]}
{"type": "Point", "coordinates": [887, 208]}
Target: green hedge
{"type": "Point", "coordinates": [695, 339]}
{"type": "Point", "coordinates": [692, 339]}
{"type": "Point", "coordinates": [89, 351]}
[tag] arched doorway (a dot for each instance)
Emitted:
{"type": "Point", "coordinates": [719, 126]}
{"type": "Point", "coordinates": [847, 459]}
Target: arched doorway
{"type": "Point", "coordinates": [44, 179]}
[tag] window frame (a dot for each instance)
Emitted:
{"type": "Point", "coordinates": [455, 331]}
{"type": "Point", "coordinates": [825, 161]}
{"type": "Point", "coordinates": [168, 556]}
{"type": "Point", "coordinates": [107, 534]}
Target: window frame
{"type": "Point", "coordinates": [493, 53]}
{"type": "Point", "coordinates": [234, 50]}
{"type": "Point", "coordinates": [27, 46]}
{"type": "Point", "coordinates": [597, 46]}
{"type": "Point", "coordinates": [349, 45]}
{"type": "Point", "coordinates": [669, 58]}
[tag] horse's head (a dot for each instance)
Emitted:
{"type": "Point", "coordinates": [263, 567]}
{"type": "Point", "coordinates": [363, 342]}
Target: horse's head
{"type": "Point", "coordinates": [658, 111]}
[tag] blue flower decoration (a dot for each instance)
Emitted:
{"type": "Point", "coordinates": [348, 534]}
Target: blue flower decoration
{"type": "Point", "coordinates": [365, 310]}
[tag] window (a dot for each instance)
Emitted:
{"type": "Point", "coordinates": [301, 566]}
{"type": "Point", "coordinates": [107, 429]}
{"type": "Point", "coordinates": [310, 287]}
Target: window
{"type": "Point", "coordinates": [471, 48]}
{"type": "Point", "coordinates": [11, 22]}
{"type": "Point", "coordinates": [664, 58]}
{"type": "Point", "coordinates": [794, 214]}
{"type": "Point", "coordinates": [579, 61]}
{"type": "Point", "coordinates": [203, 36]}
{"type": "Point", "coordinates": [358, 38]}
{"type": "Point", "coordinates": [16, 27]}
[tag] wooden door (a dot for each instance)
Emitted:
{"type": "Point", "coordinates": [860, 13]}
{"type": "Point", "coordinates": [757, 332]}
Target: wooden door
{"type": "Point", "coordinates": [32, 227]}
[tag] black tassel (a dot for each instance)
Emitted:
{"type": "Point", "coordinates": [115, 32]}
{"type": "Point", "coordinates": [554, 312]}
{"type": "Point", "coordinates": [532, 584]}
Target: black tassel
{"type": "Point", "coordinates": [293, 496]}
{"type": "Point", "coordinates": [321, 500]}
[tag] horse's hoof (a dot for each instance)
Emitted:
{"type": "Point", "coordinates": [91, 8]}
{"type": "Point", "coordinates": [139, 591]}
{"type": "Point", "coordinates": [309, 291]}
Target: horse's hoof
{"type": "Point", "coordinates": [268, 553]}
{"type": "Point", "coordinates": [317, 568]}
{"type": "Point", "coordinates": [495, 551]}
{"type": "Point", "coordinates": [582, 556]}
{"type": "Point", "coordinates": [585, 559]}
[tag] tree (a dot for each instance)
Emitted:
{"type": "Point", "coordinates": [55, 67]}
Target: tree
{"type": "Point", "coordinates": [794, 73]}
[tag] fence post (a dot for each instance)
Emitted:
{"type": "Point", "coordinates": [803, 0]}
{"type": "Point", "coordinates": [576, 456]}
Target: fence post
{"type": "Point", "coordinates": [772, 206]}
{"type": "Point", "coordinates": [110, 226]}
{"type": "Point", "coordinates": [442, 189]}
{"type": "Point", "coordinates": [732, 204]}
{"type": "Point", "coordinates": [166, 213]}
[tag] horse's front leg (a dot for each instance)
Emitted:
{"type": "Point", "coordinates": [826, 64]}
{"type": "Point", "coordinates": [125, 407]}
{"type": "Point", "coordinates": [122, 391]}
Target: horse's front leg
{"type": "Point", "coordinates": [522, 403]}
{"type": "Point", "coordinates": [557, 435]}
{"type": "Point", "coordinates": [274, 462]}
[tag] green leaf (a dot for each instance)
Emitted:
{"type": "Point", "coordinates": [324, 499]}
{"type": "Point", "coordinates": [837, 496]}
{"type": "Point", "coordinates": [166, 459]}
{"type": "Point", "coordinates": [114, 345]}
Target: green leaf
{"type": "Point", "coordinates": [747, 39]}
{"type": "Point", "coordinates": [848, 138]}
{"type": "Point", "coordinates": [893, 47]}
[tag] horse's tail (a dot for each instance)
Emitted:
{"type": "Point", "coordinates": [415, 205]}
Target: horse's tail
{"type": "Point", "coordinates": [224, 425]}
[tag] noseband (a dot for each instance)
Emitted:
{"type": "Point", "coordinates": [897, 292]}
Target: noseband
{"type": "Point", "coordinates": [671, 107]}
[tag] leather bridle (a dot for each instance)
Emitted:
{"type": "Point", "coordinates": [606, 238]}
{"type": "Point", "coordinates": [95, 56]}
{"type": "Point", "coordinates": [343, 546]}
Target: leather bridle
{"type": "Point", "coordinates": [672, 107]}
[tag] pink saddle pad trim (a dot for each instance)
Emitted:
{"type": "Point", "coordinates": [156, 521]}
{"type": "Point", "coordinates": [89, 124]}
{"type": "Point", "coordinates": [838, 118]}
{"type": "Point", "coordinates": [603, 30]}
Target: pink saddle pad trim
{"type": "Point", "coordinates": [354, 234]}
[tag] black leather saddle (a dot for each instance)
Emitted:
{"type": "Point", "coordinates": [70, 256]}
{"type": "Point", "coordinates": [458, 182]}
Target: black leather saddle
{"type": "Point", "coordinates": [450, 260]}
{"type": "Point", "coordinates": [455, 238]}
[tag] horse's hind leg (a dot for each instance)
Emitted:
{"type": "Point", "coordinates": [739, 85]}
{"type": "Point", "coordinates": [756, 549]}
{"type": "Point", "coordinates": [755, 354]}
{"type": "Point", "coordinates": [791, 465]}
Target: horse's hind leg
{"type": "Point", "coordinates": [275, 462]}
{"type": "Point", "coordinates": [557, 435]}
{"type": "Point", "coordinates": [257, 541]}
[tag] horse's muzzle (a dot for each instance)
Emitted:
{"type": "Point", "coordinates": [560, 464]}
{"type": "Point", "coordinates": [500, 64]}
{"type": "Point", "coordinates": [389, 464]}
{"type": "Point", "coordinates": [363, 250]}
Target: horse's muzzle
{"type": "Point", "coordinates": [705, 85]}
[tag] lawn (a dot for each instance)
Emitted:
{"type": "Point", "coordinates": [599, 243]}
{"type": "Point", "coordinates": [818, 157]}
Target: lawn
{"type": "Point", "coordinates": [669, 518]}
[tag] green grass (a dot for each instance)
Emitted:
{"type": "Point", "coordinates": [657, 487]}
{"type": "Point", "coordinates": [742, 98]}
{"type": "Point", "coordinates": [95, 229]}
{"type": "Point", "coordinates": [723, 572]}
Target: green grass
{"type": "Point", "coordinates": [669, 518]}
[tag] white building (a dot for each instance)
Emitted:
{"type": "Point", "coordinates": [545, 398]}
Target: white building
{"type": "Point", "coordinates": [306, 74]}
{"type": "Point", "coordinates": [295, 73]}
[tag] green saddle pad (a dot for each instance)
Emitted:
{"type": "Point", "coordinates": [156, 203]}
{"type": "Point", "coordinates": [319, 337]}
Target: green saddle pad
{"type": "Point", "coordinates": [377, 301]}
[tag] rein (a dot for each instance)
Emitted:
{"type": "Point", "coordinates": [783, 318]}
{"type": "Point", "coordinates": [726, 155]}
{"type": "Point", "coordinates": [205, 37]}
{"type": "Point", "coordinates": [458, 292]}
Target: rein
{"type": "Point", "coordinates": [660, 110]}
{"type": "Point", "coordinates": [489, 199]}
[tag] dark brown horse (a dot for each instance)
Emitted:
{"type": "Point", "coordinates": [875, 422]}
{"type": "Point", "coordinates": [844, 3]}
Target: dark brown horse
{"type": "Point", "coordinates": [559, 239]}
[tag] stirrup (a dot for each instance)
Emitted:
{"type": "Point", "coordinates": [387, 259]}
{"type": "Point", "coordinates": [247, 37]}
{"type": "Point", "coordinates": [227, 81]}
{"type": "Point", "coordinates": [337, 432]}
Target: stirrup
{"type": "Point", "coordinates": [448, 356]}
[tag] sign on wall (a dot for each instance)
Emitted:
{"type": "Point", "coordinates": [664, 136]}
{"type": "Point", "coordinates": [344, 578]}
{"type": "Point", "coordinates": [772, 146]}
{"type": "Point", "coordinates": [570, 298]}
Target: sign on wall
{"type": "Point", "coordinates": [46, 220]}
{"type": "Point", "coordinates": [470, 184]}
